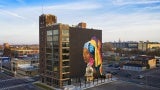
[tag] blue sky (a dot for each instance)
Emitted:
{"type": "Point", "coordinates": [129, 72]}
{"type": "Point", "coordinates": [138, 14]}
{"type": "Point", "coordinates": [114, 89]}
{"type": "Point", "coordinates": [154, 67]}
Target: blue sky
{"type": "Point", "coordinates": [129, 20]}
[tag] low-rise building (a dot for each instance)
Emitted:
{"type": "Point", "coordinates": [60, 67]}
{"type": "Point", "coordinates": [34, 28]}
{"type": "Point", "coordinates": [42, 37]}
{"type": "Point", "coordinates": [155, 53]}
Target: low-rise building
{"type": "Point", "coordinates": [148, 46]}
{"type": "Point", "coordinates": [134, 67]}
{"type": "Point", "coordinates": [1, 50]}
{"type": "Point", "coordinates": [128, 46]}
{"type": "Point", "coordinates": [15, 51]}
{"type": "Point", "coordinates": [157, 61]}
{"type": "Point", "coordinates": [21, 50]}
{"type": "Point", "coordinates": [25, 67]}
{"type": "Point", "coordinates": [140, 63]}
{"type": "Point", "coordinates": [153, 46]}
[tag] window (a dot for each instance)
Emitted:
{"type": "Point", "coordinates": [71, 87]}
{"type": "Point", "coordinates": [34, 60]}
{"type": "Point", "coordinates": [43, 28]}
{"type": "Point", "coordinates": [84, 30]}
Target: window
{"type": "Point", "coordinates": [55, 56]}
{"type": "Point", "coordinates": [49, 62]}
{"type": "Point", "coordinates": [48, 79]}
{"type": "Point", "coordinates": [49, 68]}
{"type": "Point", "coordinates": [49, 44]}
{"type": "Point", "coordinates": [49, 32]}
{"type": "Point", "coordinates": [65, 57]}
{"type": "Point", "coordinates": [49, 50]}
{"type": "Point", "coordinates": [65, 38]}
{"type": "Point", "coordinates": [55, 44]}
{"type": "Point", "coordinates": [65, 32]}
{"type": "Point", "coordinates": [55, 38]}
{"type": "Point", "coordinates": [48, 56]}
{"type": "Point", "coordinates": [56, 63]}
{"type": "Point", "coordinates": [55, 32]}
{"type": "Point", "coordinates": [55, 68]}
{"type": "Point", "coordinates": [65, 76]}
{"type": "Point", "coordinates": [55, 50]}
{"type": "Point", "coordinates": [49, 38]}
{"type": "Point", "coordinates": [65, 69]}
{"type": "Point", "coordinates": [65, 50]}
{"type": "Point", "coordinates": [66, 63]}
{"type": "Point", "coordinates": [65, 44]}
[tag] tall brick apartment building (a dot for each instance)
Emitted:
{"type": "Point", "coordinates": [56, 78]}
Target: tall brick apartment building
{"type": "Point", "coordinates": [61, 50]}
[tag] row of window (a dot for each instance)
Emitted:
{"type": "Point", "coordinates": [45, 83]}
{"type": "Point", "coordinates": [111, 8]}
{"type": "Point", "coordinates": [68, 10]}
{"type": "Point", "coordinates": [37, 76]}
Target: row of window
{"type": "Point", "coordinates": [64, 76]}
{"type": "Point", "coordinates": [55, 38]}
{"type": "Point", "coordinates": [52, 38]}
{"type": "Point", "coordinates": [52, 32]}
{"type": "Point", "coordinates": [51, 44]}
{"type": "Point", "coordinates": [56, 32]}
{"type": "Point", "coordinates": [53, 52]}
{"type": "Point", "coordinates": [54, 44]}
{"type": "Point", "coordinates": [52, 81]}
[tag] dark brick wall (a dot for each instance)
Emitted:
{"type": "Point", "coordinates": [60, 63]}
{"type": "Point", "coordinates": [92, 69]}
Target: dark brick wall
{"type": "Point", "coordinates": [78, 37]}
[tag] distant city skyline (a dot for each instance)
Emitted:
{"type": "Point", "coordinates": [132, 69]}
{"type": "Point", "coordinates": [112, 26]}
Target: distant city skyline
{"type": "Point", "coordinates": [128, 20]}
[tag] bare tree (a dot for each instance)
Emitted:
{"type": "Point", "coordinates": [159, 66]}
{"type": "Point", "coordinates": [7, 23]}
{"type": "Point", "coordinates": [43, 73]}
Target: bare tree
{"type": "Point", "coordinates": [107, 47]}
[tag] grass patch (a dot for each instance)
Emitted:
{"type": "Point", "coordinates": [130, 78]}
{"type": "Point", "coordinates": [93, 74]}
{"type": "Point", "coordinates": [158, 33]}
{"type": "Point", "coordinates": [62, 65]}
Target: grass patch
{"type": "Point", "coordinates": [43, 86]}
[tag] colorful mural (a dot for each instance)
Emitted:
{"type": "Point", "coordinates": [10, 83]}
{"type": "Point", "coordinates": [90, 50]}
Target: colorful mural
{"type": "Point", "coordinates": [92, 56]}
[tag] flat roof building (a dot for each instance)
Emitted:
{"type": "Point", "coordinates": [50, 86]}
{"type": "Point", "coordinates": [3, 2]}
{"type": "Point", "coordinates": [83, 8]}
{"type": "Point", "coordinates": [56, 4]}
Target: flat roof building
{"type": "Point", "coordinates": [62, 53]}
{"type": "Point", "coordinates": [140, 63]}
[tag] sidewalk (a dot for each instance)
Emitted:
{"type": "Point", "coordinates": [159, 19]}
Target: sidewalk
{"type": "Point", "coordinates": [83, 86]}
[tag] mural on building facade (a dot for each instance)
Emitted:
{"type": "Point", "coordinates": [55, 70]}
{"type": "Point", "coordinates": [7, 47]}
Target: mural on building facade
{"type": "Point", "coordinates": [92, 56]}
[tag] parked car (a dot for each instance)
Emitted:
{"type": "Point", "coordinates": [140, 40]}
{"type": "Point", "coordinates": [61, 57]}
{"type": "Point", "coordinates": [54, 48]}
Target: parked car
{"type": "Point", "coordinates": [114, 73]}
{"type": "Point", "coordinates": [140, 76]}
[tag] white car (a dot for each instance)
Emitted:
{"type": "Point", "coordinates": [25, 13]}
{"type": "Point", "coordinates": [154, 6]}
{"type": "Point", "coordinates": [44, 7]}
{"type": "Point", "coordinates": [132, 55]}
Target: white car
{"type": "Point", "coordinates": [140, 76]}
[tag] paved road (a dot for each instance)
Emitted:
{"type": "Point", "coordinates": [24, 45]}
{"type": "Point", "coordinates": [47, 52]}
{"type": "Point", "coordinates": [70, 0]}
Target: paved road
{"type": "Point", "coordinates": [27, 86]}
{"type": "Point", "coordinates": [122, 85]}
{"type": "Point", "coordinates": [13, 83]}
{"type": "Point", "coordinates": [3, 76]}
{"type": "Point", "coordinates": [151, 77]}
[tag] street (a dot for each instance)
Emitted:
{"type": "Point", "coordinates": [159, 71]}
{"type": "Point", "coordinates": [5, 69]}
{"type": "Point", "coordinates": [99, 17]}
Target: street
{"type": "Point", "coordinates": [128, 80]}
{"type": "Point", "coordinates": [122, 85]}
{"type": "Point", "coordinates": [14, 83]}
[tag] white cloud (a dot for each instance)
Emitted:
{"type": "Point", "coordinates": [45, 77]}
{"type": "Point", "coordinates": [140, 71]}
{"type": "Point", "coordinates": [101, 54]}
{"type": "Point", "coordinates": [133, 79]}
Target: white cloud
{"type": "Point", "coordinates": [133, 2]}
{"type": "Point", "coordinates": [135, 26]}
{"type": "Point", "coordinates": [150, 8]}
{"type": "Point", "coordinates": [131, 27]}
{"type": "Point", "coordinates": [11, 14]}
{"type": "Point", "coordinates": [75, 6]}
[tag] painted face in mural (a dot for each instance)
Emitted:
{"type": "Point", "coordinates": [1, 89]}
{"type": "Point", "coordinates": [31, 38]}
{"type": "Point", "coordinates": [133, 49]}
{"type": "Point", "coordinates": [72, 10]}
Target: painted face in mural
{"type": "Point", "coordinates": [92, 54]}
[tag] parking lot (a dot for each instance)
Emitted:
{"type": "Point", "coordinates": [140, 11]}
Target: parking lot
{"type": "Point", "coordinates": [122, 85]}
{"type": "Point", "coordinates": [147, 78]}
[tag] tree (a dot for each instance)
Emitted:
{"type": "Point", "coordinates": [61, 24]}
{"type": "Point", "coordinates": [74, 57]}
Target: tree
{"type": "Point", "coordinates": [148, 66]}
{"type": "Point", "coordinates": [107, 47]}
{"type": "Point", "coordinates": [7, 52]}
{"type": "Point", "coordinates": [1, 47]}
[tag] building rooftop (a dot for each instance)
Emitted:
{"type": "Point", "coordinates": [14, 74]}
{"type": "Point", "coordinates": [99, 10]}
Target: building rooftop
{"type": "Point", "coordinates": [144, 57]}
{"type": "Point", "coordinates": [135, 65]}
